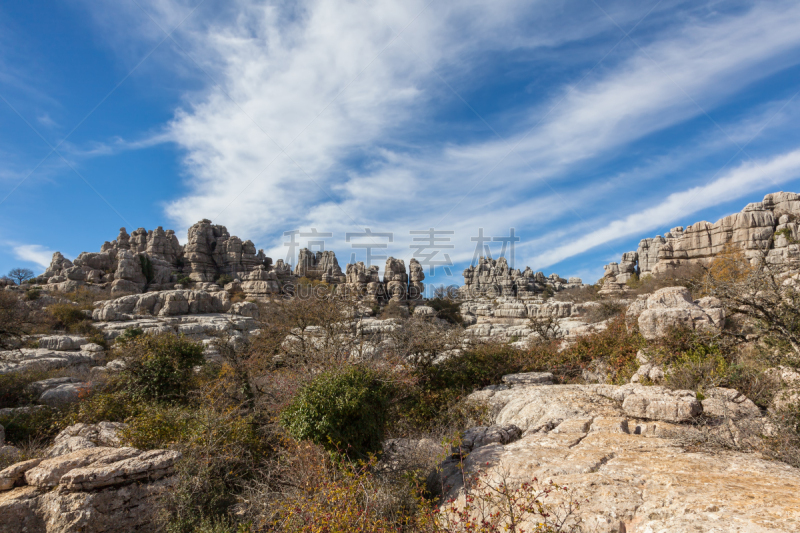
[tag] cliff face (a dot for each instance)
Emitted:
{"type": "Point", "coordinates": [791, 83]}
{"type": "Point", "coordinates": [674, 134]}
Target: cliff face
{"type": "Point", "coordinates": [768, 228]}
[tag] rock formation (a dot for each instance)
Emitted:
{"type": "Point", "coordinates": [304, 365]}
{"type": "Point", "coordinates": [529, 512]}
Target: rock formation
{"type": "Point", "coordinates": [154, 260]}
{"type": "Point", "coordinates": [94, 489]}
{"type": "Point", "coordinates": [622, 451]}
{"type": "Point", "coordinates": [321, 266]}
{"type": "Point", "coordinates": [767, 228]}
{"type": "Point", "coordinates": [492, 278]}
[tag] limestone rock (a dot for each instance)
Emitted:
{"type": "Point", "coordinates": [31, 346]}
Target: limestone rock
{"type": "Point", "coordinates": [641, 483]}
{"type": "Point", "coordinates": [480, 436]}
{"type": "Point", "coordinates": [673, 306]}
{"type": "Point", "coordinates": [424, 310]}
{"type": "Point", "coordinates": [658, 403]}
{"type": "Point", "coordinates": [15, 473]}
{"type": "Point", "coordinates": [81, 436]}
{"type": "Point", "coordinates": [48, 472]}
{"type": "Point", "coordinates": [150, 465]}
{"type": "Point", "coordinates": [97, 490]}
{"type": "Point", "coordinates": [162, 303]}
{"type": "Point", "coordinates": [64, 393]}
{"type": "Point", "coordinates": [723, 403]}
{"type": "Point", "coordinates": [321, 266]}
{"type": "Point", "coordinates": [529, 378]}
{"type": "Point", "coordinates": [260, 283]}
{"type": "Point", "coordinates": [62, 342]}
{"type": "Point", "coordinates": [28, 358]}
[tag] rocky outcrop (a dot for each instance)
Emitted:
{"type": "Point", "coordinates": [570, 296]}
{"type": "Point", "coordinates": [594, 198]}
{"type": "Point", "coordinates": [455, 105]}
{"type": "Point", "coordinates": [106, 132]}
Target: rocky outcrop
{"type": "Point", "coordinates": [56, 392]}
{"type": "Point", "coordinates": [82, 436]}
{"type": "Point", "coordinates": [211, 251]}
{"type": "Point", "coordinates": [623, 452]}
{"type": "Point", "coordinates": [259, 283]}
{"type": "Point", "coordinates": [164, 303]}
{"type": "Point", "coordinates": [47, 359]}
{"type": "Point", "coordinates": [154, 260]}
{"type": "Point", "coordinates": [492, 278]}
{"type": "Point", "coordinates": [762, 229]}
{"type": "Point", "coordinates": [321, 266]}
{"type": "Point", "coordinates": [98, 489]}
{"type": "Point", "coordinates": [672, 307]}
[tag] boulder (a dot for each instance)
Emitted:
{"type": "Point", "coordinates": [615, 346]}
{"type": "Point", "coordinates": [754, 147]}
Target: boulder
{"type": "Point", "coordinates": [480, 436]}
{"type": "Point", "coordinates": [14, 474]}
{"type": "Point", "coordinates": [97, 490]}
{"type": "Point", "coordinates": [529, 378]}
{"type": "Point", "coordinates": [62, 342]}
{"type": "Point", "coordinates": [64, 393]}
{"type": "Point", "coordinates": [673, 306]}
{"type": "Point", "coordinates": [655, 403]}
{"type": "Point", "coordinates": [150, 465]}
{"type": "Point", "coordinates": [82, 436]}
{"type": "Point", "coordinates": [729, 403]}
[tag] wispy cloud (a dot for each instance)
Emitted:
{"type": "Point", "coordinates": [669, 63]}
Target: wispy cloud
{"type": "Point", "coordinates": [316, 114]}
{"type": "Point", "coordinates": [730, 186]}
{"type": "Point", "coordinates": [33, 253]}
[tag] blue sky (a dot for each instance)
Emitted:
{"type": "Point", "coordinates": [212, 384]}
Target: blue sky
{"type": "Point", "coordinates": [584, 125]}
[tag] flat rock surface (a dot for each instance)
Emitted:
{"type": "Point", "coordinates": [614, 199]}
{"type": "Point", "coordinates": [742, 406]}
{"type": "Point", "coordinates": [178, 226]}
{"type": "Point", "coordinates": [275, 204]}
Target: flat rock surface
{"type": "Point", "coordinates": [632, 473]}
{"type": "Point", "coordinates": [46, 359]}
{"type": "Point", "coordinates": [640, 484]}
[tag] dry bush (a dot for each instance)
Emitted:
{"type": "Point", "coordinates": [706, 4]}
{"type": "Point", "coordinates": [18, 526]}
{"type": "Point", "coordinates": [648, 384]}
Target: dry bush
{"type": "Point", "coordinates": [546, 329]}
{"type": "Point", "coordinates": [307, 333]}
{"type": "Point", "coordinates": [604, 310]}
{"type": "Point", "coordinates": [308, 490]}
{"type": "Point", "coordinates": [685, 275]}
{"type": "Point", "coordinates": [490, 505]}
{"type": "Point", "coordinates": [579, 295]}
{"type": "Point", "coordinates": [421, 341]}
{"type": "Point", "coordinates": [614, 346]}
{"type": "Point", "coordinates": [764, 298]}
{"type": "Point", "coordinates": [16, 319]}
{"type": "Point", "coordinates": [394, 310]}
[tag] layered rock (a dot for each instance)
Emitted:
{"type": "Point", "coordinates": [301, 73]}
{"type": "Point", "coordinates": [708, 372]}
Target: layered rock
{"type": "Point", "coordinates": [163, 303]}
{"type": "Point", "coordinates": [628, 455]}
{"type": "Point", "coordinates": [154, 260]}
{"type": "Point", "coordinates": [493, 278]}
{"type": "Point", "coordinates": [96, 489]}
{"type": "Point", "coordinates": [762, 229]}
{"type": "Point", "coordinates": [321, 266]}
{"type": "Point", "coordinates": [673, 307]}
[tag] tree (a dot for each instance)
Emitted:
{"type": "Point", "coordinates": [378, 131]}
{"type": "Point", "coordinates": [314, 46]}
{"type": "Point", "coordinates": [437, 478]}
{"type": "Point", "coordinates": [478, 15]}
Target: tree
{"type": "Point", "coordinates": [20, 274]}
{"type": "Point", "coordinates": [15, 320]}
{"type": "Point", "coordinates": [766, 295]}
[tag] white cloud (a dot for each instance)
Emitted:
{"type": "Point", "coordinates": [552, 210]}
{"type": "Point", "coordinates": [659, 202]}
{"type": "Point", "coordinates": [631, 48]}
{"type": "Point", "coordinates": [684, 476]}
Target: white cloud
{"type": "Point", "coordinates": [334, 65]}
{"type": "Point", "coordinates": [34, 253]}
{"type": "Point", "coordinates": [732, 185]}
{"type": "Point", "coordinates": [282, 69]}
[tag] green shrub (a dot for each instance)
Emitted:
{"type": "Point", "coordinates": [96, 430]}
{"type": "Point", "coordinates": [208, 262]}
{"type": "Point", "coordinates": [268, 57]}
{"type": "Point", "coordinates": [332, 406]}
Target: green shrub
{"type": "Point", "coordinates": [186, 280]}
{"type": "Point", "coordinates": [159, 367]}
{"type": "Point", "coordinates": [344, 410]}
{"type": "Point", "coordinates": [104, 405]}
{"type": "Point", "coordinates": [35, 425]}
{"type": "Point", "coordinates": [434, 400]}
{"type": "Point", "coordinates": [128, 335]}
{"type": "Point", "coordinates": [614, 346]}
{"type": "Point", "coordinates": [33, 294]}
{"type": "Point", "coordinates": [69, 317]}
{"type": "Point", "coordinates": [224, 280]}
{"type": "Point", "coordinates": [14, 390]}
{"type": "Point", "coordinates": [147, 268]}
